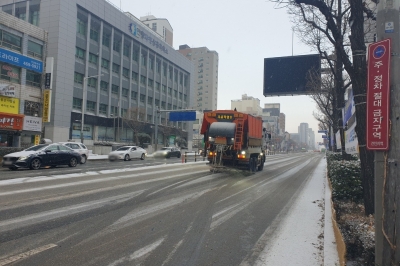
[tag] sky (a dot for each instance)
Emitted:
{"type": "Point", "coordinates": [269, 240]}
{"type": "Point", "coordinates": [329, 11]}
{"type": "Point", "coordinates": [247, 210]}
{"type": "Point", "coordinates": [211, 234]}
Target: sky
{"type": "Point", "coordinates": [243, 33]}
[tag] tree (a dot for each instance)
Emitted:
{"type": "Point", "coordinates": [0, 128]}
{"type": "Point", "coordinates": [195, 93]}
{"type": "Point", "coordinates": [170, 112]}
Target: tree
{"type": "Point", "coordinates": [133, 119]}
{"type": "Point", "coordinates": [333, 25]}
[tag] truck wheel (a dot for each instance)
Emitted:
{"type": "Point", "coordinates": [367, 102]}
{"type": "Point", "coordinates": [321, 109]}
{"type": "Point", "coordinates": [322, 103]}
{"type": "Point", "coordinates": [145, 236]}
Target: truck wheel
{"type": "Point", "coordinates": [252, 165]}
{"type": "Point", "coordinates": [261, 166]}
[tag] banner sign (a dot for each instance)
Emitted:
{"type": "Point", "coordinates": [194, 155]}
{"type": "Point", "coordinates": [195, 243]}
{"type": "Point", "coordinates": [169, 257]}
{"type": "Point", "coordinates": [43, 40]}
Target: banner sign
{"type": "Point", "coordinates": [37, 139]}
{"type": "Point", "coordinates": [378, 101]}
{"type": "Point", "coordinates": [351, 141]}
{"type": "Point", "coordinates": [46, 105]}
{"type": "Point", "coordinates": [11, 121]}
{"type": "Point", "coordinates": [32, 123]}
{"type": "Point", "coordinates": [20, 60]}
{"type": "Point", "coordinates": [7, 90]}
{"type": "Point", "coordinates": [9, 105]}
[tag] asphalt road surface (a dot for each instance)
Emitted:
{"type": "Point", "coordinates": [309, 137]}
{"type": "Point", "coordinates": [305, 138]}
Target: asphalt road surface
{"type": "Point", "coordinates": [151, 212]}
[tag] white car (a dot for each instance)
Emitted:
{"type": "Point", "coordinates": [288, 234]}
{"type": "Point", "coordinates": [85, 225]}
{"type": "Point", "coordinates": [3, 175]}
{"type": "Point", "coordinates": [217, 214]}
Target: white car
{"type": "Point", "coordinates": [79, 148]}
{"type": "Point", "coordinates": [127, 152]}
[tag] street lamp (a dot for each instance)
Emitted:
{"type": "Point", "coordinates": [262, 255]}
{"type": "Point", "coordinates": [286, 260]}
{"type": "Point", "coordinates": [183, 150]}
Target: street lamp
{"type": "Point", "coordinates": [84, 94]}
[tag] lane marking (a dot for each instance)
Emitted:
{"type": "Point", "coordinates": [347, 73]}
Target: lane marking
{"type": "Point", "coordinates": [26, 254]}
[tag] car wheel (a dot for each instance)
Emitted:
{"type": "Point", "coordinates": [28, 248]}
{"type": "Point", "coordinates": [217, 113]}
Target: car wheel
{"type": "Point", "coordinates": [143, 156]}
{"type": "Point", "coordinates": [127, 158]}
{"type": "Point", "coordinates": [13, 168]}
{"type": "Point", "coordinates": [168, 156]}
{"type": "Point", "coordinates": [83, 159]}
{"type": "Point", "coordinates": [179, 155]}
{"type": "Point", "coordinates": [35, 164]}
{"type": "Point", "coordinates": [73, 162]}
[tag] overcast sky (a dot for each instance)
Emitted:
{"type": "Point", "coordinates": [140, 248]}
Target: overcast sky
{"type": "Point", "coordinates": [243, 33]}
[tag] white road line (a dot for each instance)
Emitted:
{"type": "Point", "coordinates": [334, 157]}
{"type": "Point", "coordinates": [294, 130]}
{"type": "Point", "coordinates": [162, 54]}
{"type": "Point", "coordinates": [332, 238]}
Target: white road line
{"type": "Point", "coordinates": [11, 224]}
{"type": "Point", "coordinates": [26, 254]}
{"type": "Point", "coordinates": [138, 254]}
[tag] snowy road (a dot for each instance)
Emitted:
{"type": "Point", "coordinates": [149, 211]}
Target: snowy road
{"type": "Point", "coordinates": [172, 214]}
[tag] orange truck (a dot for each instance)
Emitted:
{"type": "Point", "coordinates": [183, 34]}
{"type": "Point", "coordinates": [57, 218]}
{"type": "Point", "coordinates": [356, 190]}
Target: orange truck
{"type": "Point", "coordinates": [234, 139]}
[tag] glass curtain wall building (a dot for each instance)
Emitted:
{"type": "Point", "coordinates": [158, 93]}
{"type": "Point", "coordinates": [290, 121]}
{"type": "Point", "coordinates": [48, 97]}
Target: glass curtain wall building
{"type": "Point", "coordinates": [127, 69]}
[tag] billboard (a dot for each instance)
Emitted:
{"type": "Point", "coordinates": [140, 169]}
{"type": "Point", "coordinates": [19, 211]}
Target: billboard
{"type": "Point", "coordinates": [289, 75]}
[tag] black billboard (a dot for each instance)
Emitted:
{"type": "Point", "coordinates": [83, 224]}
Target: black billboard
{"type": "Point", "coordinates": [289, 75]}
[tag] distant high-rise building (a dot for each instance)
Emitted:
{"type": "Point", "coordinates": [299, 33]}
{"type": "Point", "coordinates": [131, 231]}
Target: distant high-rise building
{"type": "Point", "coordinates": [282, 122]}
{"type": "Point", "coordinates": [247, 104]}
{"type": "Point", "coordinates": [303, 133]}
{"type": "Point", "coordinates": [311, 142]}
{"type": "Point", "coordinates": [206, 76]}
{"type": "Point", "coordinates": [271, 109]}
{"type": "Point", "coordinates": [161, 26]}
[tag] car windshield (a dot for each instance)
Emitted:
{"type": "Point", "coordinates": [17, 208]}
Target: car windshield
{"type": "Point", "coordinates": [37, 147]}
{"type": "Point", "coordinates": [123, 148]}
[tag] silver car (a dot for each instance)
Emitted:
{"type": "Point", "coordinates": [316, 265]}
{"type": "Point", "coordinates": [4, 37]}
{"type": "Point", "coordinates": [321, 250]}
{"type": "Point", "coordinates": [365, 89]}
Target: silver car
{"type": "Point", "coordinates": [79, 148]}
{"type": "Point", "coordinates": [127, 152]}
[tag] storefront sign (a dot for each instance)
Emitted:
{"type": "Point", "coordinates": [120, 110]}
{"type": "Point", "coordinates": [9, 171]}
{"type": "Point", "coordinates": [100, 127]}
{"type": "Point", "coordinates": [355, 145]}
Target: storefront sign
{"type": "Point", "coordinates": [9, 105]}
{"type": "Point", "coordinates": [11, 121]}
{"type": "Point", "coordinates": [32, 123]}
{"type": "Point", "coordinates": [46, 105]}
{"type": "Point", "coordinates": [20, 60]}
{"type": "Point", "coordinates": [7, 90]}
{"type": "Point", "coordinates": [378, 93]}
{"type": "Point", "coordinates": [47, 81]}
{"type": "Point", "coordinates": [37, 139]}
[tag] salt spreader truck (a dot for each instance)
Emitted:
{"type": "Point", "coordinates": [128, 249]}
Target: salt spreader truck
{"type": "Point", "coordinates": [234, 140]}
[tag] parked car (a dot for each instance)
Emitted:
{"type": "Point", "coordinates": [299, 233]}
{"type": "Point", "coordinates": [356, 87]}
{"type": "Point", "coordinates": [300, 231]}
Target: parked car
{"type": "Point", "coordinates": [126, 153]}
{"type": "Point", "coordinates": [168, 152]}
{"type": "Point", "coordinates": [42, 155]}
{"type": "Point", "coordinates": [79, 148]}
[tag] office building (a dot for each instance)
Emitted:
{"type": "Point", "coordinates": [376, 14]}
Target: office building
{"type": "Point", "coordinates": [282, 122]}
{"type": "Point", "coordinates": [23, 48]}
{"type": "Point", "coordinates": [110, 66]}
{"type": "Point", "coordinates": [205, 76]}
{"type": "Point", "coordinates": [303, 134]}
{"type": "Point", "coordinates": [161, 26]}
{"type": "Point", "coordinates": [247, 104]}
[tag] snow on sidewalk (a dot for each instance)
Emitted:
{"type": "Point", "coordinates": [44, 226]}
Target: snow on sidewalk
{"type": "Point", "coordinates": [305, 237]}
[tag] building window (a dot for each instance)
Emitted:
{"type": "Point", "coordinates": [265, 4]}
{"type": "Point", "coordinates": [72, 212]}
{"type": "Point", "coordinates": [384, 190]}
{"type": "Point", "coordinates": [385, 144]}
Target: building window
{"type": "Point", "coordinates": [169, 106]}
{"type": "Point", "coordinates": [158, 66]}
{"type": "Point", "coordinates": [174, 107]}
{"type": "Point", "coordinates": [34, 8]}
{"type": "Point", "coordinates": [142, 98]}
{"type": "Point", "coordinates": [117, 45]}
{"type": "Point", "coordinates": [127, 48]}
{"type": "Point", "coordinates": [125, 72]}
{"type": "Point", "coordinates": [115, 68]}
{"type": "Point", "coordinates": [105, 63]}
{"type": "Point", "coordinates": [77, 103]}
{"type": "Point", "coordinates": [32, 108]}
{"type": "Point", "coordinates": [170, 73]}
{"type": "Point", "coordinates": [149, 118]}
{"type": "Point", "coordinates": [8, 8]}
{"type": "Point", "coordinates": [164, 89]}
{"type": "Point", "coordinates": [33, 79]}
{"type": "Point", "coordinates": [93, 58]}
{"type": "Point", "coordinates": [157, 102]}
{"type": "Point", "coordinates": [80, 27]}
{"type": "Point", "coordinates": [185, 97]}
{"type": "Point", "coordinates": [10, 40]}
{"type": "Point", "coordinates": [151, 63]}
{"type": "Point", "coordinates": [79, 53]}
{"type": "Point", "coordinates": [35, 49]}
{"type": "Point", "coordinates": [158, 85]}
{"type": "Point", "coordinates": [163, 105]}
{"type": "Point", "coordinates": [114, 110]}
{"type": "Point", "coordinates": [149, 100]}
{"type": "Point", "coordinates": [104, 86]}
{"type": "Point", "coordinates": [92, 82]}
{"type": "Point", "coordinates": [142, 80]}
{"type": "Point", "coordinates": [125, 92]}
{"type": "Point", "coordinates": [94, 35]}
{"type": "Point", "coordinates": [165, 70]}
{"type": "Point", "coordinates": [78, 77]}
{"type": "Point", "coordinates": [180, 78]}
{"type": "Point", "coordinates": [176, 76]}
{"type": "Point", "coordinates": [135, 54]}
{"type": "Point", "coordinates": [169, 91]}
{"type": "Point", "coordinates": [134, 76]}
{"type": "Point", "coordinates": [133, 95]}
{"type": "Point", "coordinates": [20, 10]}
{"type": "Point", "coordinates": [106, 40]}
{"type": "Point", "coordinates": [103, 109]}
{"type": "Point", "coordinates": [180, 95]}
{"type": "Point", "coordinates": [143, 60]}
{"type": "Point", "coordinates": [150, 83]}
{"type": "Point", "coordinates": [175, 93]}
{"type": "Point", "coordinates": [154, 26]}
{"type": "Point", "coordinates": [90, 106]}
{"type": "Point", "coordinates": [9, 72]}
{"type": "Point", "coordinates": [114, 89]}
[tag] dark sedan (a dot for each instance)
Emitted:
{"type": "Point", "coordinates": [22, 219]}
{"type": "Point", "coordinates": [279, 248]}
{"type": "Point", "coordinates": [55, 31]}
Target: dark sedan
{"type": "Point", "coordinates": [168, 152]}
{"type": "Point", "coordinates": [42, 155]}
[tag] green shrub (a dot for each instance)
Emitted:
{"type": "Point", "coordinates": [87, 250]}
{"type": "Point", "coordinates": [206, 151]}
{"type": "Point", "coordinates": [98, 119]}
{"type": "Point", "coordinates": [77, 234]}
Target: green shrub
{"type": "Point", "coordinates": [345, 177]}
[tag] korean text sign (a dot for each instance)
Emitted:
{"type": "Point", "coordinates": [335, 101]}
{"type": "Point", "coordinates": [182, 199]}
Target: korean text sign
{"type": "Point", "coordinates": [378, 92]}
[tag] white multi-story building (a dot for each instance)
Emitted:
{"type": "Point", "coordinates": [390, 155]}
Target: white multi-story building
{"type": "Point", "coordinates": [303, 134]}
{"type": "Point", "coordinates": [205, 76]}
{"type": "Point", "coordinates": [248, 105]}
{"type": "Point", "coordinates": [161, 26]}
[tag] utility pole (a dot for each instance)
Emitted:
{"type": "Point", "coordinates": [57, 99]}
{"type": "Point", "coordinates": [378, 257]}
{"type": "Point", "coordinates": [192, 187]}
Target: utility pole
{"type": "Point", "coordinates": [387, 174]}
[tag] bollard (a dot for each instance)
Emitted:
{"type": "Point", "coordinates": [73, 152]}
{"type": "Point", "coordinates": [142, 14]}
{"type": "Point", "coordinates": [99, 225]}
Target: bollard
{"type": "Point", "coordinates": [195, 156]}
{"type": "Point", "coordinates": [183, 158]}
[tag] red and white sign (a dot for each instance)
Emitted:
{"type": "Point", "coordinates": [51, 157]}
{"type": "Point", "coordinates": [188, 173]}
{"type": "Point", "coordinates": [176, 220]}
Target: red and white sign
{"type": "Point", "coordinates": [378, 92]}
